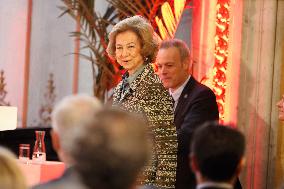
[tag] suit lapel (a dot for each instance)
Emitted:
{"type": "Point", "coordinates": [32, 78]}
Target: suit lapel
{"type": "Point", "coordinates": [184, 101]}
{"type": "Point", "coordinates": [117, 92]}
{"type": "Point", "coordinates": [140, 78]}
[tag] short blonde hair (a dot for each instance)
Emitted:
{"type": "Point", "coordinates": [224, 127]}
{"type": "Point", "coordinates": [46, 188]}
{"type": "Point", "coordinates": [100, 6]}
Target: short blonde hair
{"type": "Point", "coordinates": [11, 176]}
{"type": "Point", "coordinates": [145, 32]}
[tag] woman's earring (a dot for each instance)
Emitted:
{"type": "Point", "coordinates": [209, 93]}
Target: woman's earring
{"type": "Point", "coordinates": [146, 59]}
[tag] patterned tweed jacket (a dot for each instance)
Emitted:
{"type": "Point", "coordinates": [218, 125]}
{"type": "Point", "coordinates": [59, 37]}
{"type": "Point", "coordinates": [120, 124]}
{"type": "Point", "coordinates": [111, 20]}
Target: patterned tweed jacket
{"type": "Point", "coordinates": [147, 95]}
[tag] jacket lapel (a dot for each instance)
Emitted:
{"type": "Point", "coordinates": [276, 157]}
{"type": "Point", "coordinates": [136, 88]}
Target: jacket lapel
{"type": "Point", "coordinates": [117, 93]}
{"type": "Point", "coordinates": [184, 101]}
{"type": "Point", "coordinates": [140, 77]}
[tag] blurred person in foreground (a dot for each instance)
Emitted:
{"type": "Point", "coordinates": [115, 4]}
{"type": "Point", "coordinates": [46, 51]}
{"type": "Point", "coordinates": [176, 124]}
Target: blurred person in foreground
{"type": "Point", "coordinates": [73, 112]}
{"type": "Point", "coordinates": [194, 104]}
{"type": "Point", "coordinates": [280, 105]}
{"type": "Point", "coordinates": [217, 156]}
{"type": "Point", "coordinates": [133, 45]}
{"type": "Point", "coordinates": [112, 151]}
{"type": "Point", "coordinates": [11, 176]}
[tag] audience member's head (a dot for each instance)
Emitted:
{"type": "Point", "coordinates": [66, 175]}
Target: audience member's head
{"type": "Point", "coordinates": [72, 112]}
{"type": "Point", "coordinates": [11, 176]}
{"type": "Point", "coordinates": [112, 151]}
{"type": "Point", "coordinates": [217, 153]}
{"type": "Point", "coordinates": [280, 106]}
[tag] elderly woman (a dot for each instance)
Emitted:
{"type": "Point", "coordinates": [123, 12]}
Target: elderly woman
{"type": "Point", "coordinates": [280, 106]}
{"type": "Point", "coordinates": [133, 44]}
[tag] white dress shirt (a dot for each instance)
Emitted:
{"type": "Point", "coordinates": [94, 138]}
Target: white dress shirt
{"type": "Point", "coordinates": [176, 93]}
{"type": "Point", "coordinates": [215, 184]}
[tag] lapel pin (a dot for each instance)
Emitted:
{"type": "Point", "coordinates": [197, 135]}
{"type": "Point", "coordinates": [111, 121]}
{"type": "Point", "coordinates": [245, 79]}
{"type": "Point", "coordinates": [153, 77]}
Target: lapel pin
{"type": "Point", "coordinates": [185, 96]}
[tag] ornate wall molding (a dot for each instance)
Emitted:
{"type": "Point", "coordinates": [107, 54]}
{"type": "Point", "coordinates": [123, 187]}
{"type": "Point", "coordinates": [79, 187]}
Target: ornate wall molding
{"type": "Point", "coordinates": [49, 100]}
{"type": "Point", "coordinates": [3, 91]}
{"type": "Point", "coordinates": [257, 91]}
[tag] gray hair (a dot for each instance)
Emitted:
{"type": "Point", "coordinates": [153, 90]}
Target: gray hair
{"type": "Point", "coordinates": [73, 111]}
{"type": "Point", "coordinates": [180, 45]}
{"type": "Point", "coordinates": [145, 32]}
{"type": "Point", "coordinates": [112, 150]}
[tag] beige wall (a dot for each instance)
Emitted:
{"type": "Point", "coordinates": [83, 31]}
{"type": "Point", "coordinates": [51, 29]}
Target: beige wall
{"type": "Point", "coordinates": [28, 63]}
{"type": "Point", "coordinates": [50, 51]}
{"type": "Point", "coordinates": [259, 89]}
{"type": "Point", "coordinates": [13, 28]}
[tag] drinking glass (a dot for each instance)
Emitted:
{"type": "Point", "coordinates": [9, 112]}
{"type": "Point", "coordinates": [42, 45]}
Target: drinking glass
{"type": "Point", "coordinates": [24, 152]}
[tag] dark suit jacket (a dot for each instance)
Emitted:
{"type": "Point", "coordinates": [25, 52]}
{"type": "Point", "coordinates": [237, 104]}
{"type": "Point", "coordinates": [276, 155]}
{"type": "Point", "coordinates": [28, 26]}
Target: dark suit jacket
{"type": "Point", "coordinates": [196, 105]}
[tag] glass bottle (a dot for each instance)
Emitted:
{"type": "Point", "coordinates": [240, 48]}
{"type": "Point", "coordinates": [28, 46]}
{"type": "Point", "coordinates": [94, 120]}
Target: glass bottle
{"type": "Point", "coordinates": [39, 154]}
